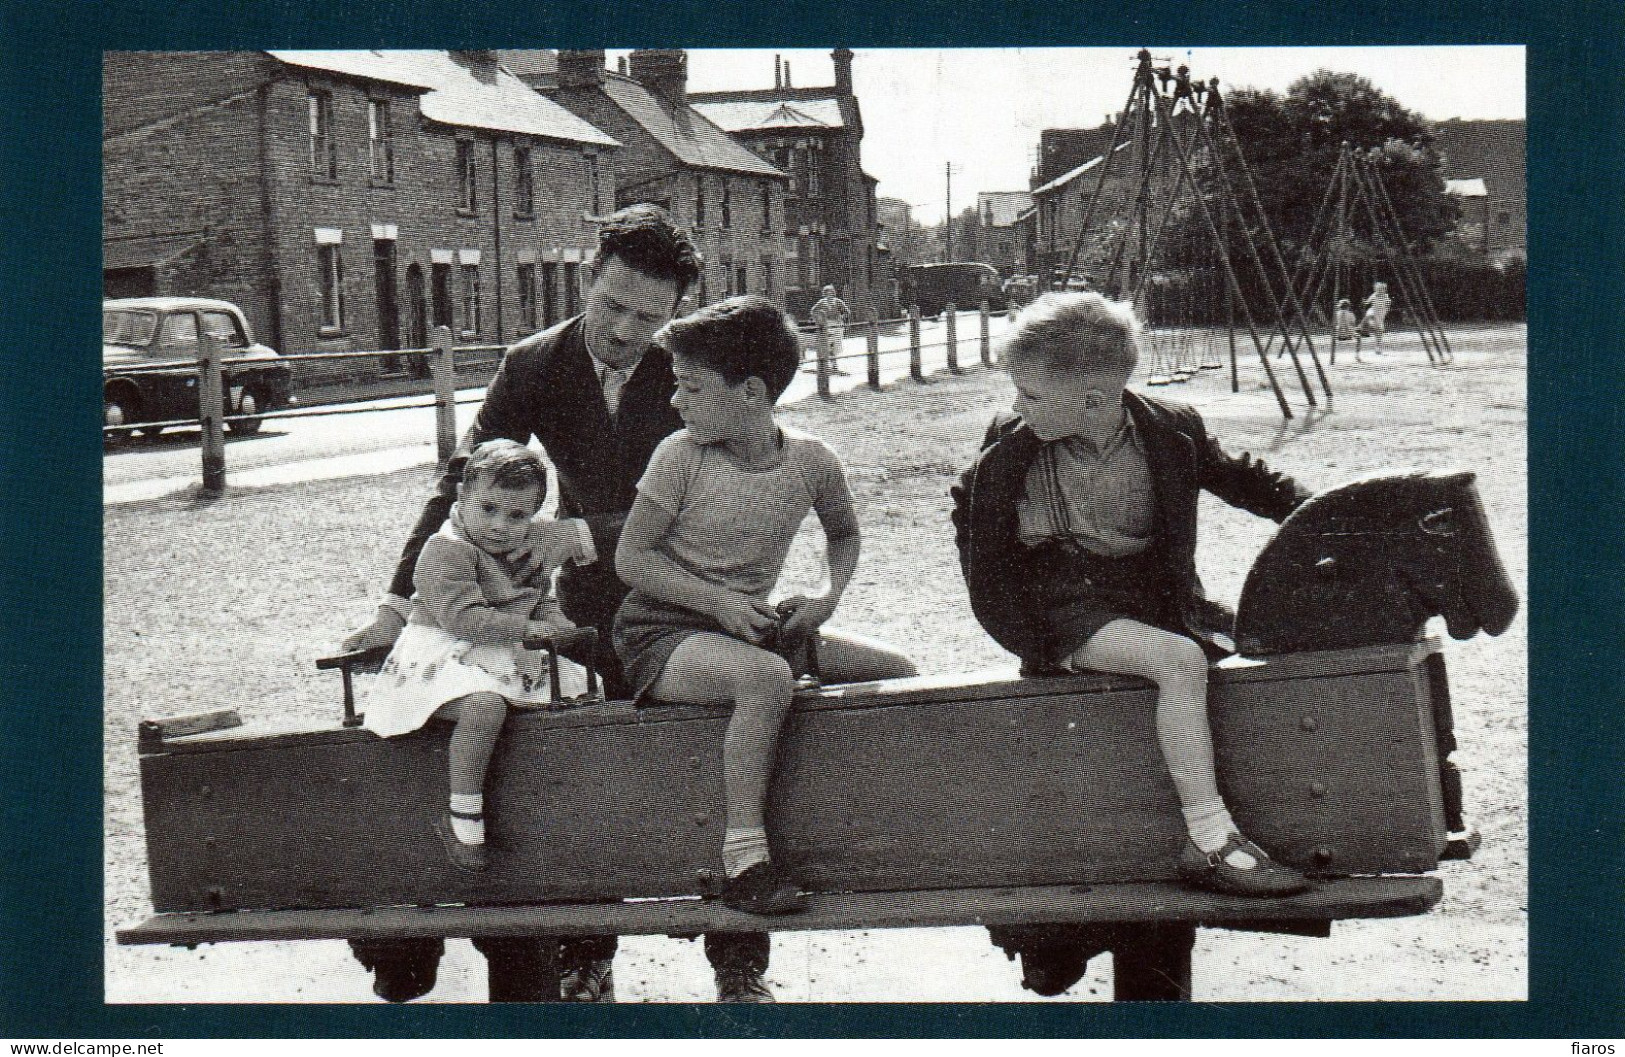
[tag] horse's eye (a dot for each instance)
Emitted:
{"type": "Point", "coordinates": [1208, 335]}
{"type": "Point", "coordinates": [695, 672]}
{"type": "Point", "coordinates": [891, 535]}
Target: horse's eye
{"type": "Point", "coordinates": [1440, 522]}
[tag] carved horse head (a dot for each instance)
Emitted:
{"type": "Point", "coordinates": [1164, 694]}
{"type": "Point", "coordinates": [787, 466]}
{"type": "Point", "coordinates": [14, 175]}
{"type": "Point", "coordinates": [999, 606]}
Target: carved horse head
{"type": "Point", "coordinates": [1368, 564]}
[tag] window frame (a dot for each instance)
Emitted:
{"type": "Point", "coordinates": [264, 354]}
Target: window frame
{"type": "Point", "coordinates": [381, 140]}
{"type": "Point", "coordinates": [595, 187]}
{"type": "Point", "coordinates": [323, 155]}
{"type": "Point", "coordinates": [525, 276]}
{"type": "Point", "coordinates": [727, 204]}
{"type": "Point", "coordinates": [767, 206]}
{"type": "Point", "coordinates": [699, 200]}
{"type": "Point", "coordinates": [330, 286]}
{"type": "Point", "coordinates": [468, 178]}
{"type": "Point", "coordinates": [524, 182]}
{"type": "Point", "coordinates": [469, 286]}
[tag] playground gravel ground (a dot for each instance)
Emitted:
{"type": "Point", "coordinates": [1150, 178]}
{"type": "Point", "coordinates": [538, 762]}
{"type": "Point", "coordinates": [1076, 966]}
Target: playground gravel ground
{"type": "Point", "coordinates": [228, 603]}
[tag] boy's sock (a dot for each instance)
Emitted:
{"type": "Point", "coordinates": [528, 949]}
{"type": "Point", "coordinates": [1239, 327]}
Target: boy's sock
{"type": "Point", "coordinates": [743, 848]}
{"type": "Point", "coordinates": [1210, 826]}
{"type": "Point", "coordinates": [468, 830]}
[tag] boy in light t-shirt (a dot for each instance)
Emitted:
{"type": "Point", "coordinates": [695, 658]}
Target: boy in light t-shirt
{"type": "Point", "coordinates": [703, 548]}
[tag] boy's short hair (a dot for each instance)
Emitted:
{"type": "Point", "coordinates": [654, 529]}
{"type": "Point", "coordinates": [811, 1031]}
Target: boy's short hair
{"type": "Point", "coordinates": [743, 337]}
{"type": "Point", "coordinates": [1075, 331]}
{"type": "Point", "coordinates": [505, 464]}
{"type": "Point", "coordinates": [645, 239]}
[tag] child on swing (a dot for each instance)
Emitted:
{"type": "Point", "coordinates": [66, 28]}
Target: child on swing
{"type": "Point", "coordinates": [1076, 529]}
{"type": "Point", "coordinates": [703, 548]}
{"type": "Point", "coordinates": [1375, 323]}
{"type": "Point", "coordinates": [461, 655]}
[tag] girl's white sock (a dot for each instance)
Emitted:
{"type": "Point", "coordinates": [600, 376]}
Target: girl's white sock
{"type": "Point", "coordinates": [468, 830]}
{"type": "Point", "coordinates": [743, 848]}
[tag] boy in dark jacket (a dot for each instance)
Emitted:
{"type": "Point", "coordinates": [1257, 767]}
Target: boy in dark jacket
{"type": "Point", "coordinates": [1076, 529]}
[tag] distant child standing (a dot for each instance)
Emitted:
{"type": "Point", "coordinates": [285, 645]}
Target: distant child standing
{"type": "Point", "coordinates": [831, 315]}
{"type": "Point", "coordinates": [1076, 529]}
{"type": "Point", "coordinates": [703, 548]}
{"type": "Point", "coordinates": [461, 655]}
{"type": "Point", "coordinates": [1376, 313]}
{"type": "Point", "coordinates": [1344, 323]}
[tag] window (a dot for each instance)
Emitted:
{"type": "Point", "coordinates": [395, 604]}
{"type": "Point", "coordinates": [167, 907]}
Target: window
{"type": "Point", "coordinates": [527, 297]}
{"type": "Point", "coordinates": [331, 267]}
{"type": "Point", "coordinates": [812, 173]}
{"type": "Point", "coordinates": [572, 289]}
{"type": "Point", "coordinates": [728, 277]}
{"type": "Point", "coordinates": [592, 183]}
{"type": "Point", "coordinates": [767, 206]}
{"type": "Point", "coordinates": [550, 294]}
{"type": "Point", "coordinates": [467, 178]}
{"type": "Point", "coordinates": [1503, 217]}
{"type": "Point", "coordinates": [223, 325]}
{"type": "Point", "coordinates": [788, 160]}
{"type": "Point", "coordinates": [381, 141]}
{"type": "Point", "coordinates": [742, 281]}
{"type": "Point", "coordinates": [699, 201]}
{"type": "Point", "coordinates": [324, 152]}
{"type": "Point", "coordinates": [803, 255]}
{"type": "Point", "coordinates": [524, 183]}
{"type": "Point", "coordinates": [179, 329]}
{"type": "Point", "coordinates": [814, 262]}
{"type": "Point", "coordinates": [440, 295]}
{"type": "Point", "coordinates": [471, 300]}
{"type": "Point", "coordinates": [727, 203]}
{"type": "Point", "coordinates": [767, 278]}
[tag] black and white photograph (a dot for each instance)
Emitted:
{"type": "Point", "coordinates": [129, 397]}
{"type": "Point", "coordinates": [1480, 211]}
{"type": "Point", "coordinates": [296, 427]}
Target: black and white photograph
{"type": "Point", "coordinates": [815, 525]}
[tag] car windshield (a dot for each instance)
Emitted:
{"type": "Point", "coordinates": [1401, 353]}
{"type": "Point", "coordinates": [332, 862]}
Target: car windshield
{"type": "Point", "coordinates": [123, 326]}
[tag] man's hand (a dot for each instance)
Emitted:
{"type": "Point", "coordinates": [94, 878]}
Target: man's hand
{"type": "Point", "coordinates": [746, 618]}
{"type": "Point", "coordinates": [803, 617]}
{"type": "Point", "coordinates": [383, 631]}
{"type": "Point", "coordinates": [548, 544]}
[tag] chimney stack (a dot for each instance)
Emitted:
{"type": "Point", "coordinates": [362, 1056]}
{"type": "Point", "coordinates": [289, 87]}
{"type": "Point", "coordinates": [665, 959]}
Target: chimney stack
{"type": "Point", "coordinates": [778, 72]}
{"type": "Point", "coordinates": [843, 70]}
{"type": "Point", "coordinates": [620, 65]}
{"type": "Point", "coordinates": [581, 69]}
{"type": "Point", "coordinates": [786, 73]}
{"type": "Point", "coordinates": [664, 72]}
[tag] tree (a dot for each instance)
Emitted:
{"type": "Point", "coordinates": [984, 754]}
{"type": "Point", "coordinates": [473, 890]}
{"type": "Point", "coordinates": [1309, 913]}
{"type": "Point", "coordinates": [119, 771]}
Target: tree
{"type": "Point", "coordinates": [1292, 144]}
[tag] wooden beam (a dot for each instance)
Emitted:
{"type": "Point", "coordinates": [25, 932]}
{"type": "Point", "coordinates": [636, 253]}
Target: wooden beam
{"type": "Point", "coordinates": [1364, 897]}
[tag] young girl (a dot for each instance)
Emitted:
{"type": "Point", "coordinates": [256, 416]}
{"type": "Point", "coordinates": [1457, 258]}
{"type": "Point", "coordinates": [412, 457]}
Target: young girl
{"type": "Point", "coordinates": [1077, 537]}
{"type": "Point", "coordinates": [1376, 313]}
{"type": "Point", "coordinates": [703, 548]}
{"type": "Point", "coordinates": [1345, 321]}
{"type": "Point", "coordinates": [461, 655]}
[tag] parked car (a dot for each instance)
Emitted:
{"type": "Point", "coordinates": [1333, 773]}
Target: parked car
{"type": "Point", "coordinates": [150, 362]}
{"type": "Point", "coordinates": [963, 284]}
{"type": "Point", "coordinates": [1020, 289]}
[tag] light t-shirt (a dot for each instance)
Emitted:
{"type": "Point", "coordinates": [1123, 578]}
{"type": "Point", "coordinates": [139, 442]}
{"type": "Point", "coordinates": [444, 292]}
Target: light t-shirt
{"type": "Point", "coordinates": [732, 525]}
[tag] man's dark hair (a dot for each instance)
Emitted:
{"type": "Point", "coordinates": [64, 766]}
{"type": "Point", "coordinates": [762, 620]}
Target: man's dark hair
{"type": "Point", "coordinates": [505, 464]}
{"type": "Point", "coordinates": [644, 237]}
{"type": "Point", "coordinates": [743, 337]}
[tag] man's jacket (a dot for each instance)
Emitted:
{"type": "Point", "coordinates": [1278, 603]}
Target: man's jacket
{"type": "Point", "coordinates": [1182, 459]}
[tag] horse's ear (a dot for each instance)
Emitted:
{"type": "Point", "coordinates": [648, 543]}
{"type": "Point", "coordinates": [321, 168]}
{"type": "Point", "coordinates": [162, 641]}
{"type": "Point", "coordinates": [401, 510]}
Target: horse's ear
{"type": "Point", "coordinates": [1459, 478]}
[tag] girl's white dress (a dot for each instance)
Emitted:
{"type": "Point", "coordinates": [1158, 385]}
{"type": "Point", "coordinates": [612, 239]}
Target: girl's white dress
{"type": "Point", "coordinates": [430, 666]}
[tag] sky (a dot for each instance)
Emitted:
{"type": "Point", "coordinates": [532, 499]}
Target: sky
{"type": "Point", "coordinates": [981, 109]}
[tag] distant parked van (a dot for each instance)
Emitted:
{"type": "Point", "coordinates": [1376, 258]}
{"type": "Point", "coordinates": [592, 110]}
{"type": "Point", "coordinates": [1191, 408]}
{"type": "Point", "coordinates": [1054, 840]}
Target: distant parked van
{"type": "Point", "coordinates": [964, 284]}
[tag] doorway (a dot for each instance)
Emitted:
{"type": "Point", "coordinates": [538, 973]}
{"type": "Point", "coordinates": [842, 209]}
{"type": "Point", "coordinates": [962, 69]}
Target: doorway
{"type": "Point", "coordinates": [389, 325]}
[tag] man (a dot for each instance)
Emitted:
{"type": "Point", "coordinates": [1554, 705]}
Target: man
{"type": "Point", "coordinates": [598, 396]}
{"type": "Point", "coordinates": [831, 315]}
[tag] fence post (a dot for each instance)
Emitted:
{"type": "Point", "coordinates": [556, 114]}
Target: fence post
{"type": "Point", "coordinates": [950, 316]}
{"type": "Point", "coordinates": [874, 349]}
{"type": "Point", "coordinates": [987, 344]}
{"type": "Point", "coordinates": [211, 400]}
{"type": "Point", "coordinates": [915, 370]}
{"type": "Point", "coordinates": [825, 351]}
{"type": "Point", "coordinates": [444, 370]}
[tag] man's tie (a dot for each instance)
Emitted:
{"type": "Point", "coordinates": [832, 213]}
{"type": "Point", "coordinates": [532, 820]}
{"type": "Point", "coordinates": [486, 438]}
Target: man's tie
{"type": "Point", "coordinates": [614, 382]}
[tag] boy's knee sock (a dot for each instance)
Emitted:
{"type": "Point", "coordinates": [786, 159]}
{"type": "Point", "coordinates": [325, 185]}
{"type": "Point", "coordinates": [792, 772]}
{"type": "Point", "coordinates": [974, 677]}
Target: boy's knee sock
{"type": "Point", "coordinates": [468, 817]}
{"type": "Point", "coordinates": [742, 849]}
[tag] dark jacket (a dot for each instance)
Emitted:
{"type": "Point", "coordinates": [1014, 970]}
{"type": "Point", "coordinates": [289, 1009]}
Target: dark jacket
{"type": "Point", "coordinates": [1182, 459]}
{"type": "Point", "coordinates": [547, 388]}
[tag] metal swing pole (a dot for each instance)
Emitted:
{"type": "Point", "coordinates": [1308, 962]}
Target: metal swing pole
{"type": "Point", "coordinates": [1366, 196]}
{"type": "Point", "coordinates": [1105, 166]}
{"type": "Point", "coordinates": [1441, 340]}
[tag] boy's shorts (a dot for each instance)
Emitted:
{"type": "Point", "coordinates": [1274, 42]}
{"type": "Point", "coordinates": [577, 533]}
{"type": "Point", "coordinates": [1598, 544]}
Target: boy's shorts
{"type": "Point", "coordinates": [649, 630]}
{"type": "Point", "coordinates": [1081, 592]}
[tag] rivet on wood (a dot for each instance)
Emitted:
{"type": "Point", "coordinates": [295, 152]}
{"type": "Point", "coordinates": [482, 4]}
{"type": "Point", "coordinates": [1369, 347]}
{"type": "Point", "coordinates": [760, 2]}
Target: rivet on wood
{"type": "Point", "coordinates": [1308, 723]}
{"type": "Point", "coordinates": [1322, 856]}
{"type": "Point", "coordinates": [217, 895]}
{"type": "Point", "coordinates": [1317, 788]}
{"type": "Point", "coordinates": [694, 762]}
{"type": "Point", "coordinates": [206, 791]}
{"type": "Point", "coordinates": [701, 818]}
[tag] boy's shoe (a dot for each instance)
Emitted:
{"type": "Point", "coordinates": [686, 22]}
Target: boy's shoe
{"type": "Point", "coordinates": [762, 889]}
{"type": "Point", "coordinates": [590, 981]}
{"type": "Point", "coordinates": [741, 986]}
{"type": "Point", "coordinates": [1209, 870]}
{"type": "Point", "coordinates": [468, 857]}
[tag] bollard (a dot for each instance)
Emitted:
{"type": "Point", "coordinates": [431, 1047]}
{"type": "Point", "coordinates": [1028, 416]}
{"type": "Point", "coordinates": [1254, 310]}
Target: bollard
{"type": "Point", "coordinates": [211, 400]}
{"type": "Point", "coordinates": [444, 370]}
{"type": "Point", "coordinates": [825, 352]}
{"type": "Point", "coordinates": [916, 370]}
{"type": "Point", "coordinates": [950, 316]}
{"type": "Point", "coordinates": [874, 350]}
{"type": "Point", "coordinates": [987, 344]}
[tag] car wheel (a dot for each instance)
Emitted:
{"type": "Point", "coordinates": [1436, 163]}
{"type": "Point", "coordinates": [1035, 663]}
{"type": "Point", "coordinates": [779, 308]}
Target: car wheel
{"type": "Point", "coordinates": [248, 405]}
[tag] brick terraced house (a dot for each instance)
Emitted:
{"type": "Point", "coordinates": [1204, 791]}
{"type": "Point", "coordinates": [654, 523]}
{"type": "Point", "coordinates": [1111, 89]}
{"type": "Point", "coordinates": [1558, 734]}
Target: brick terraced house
{"type": "Point", "coordinates": [350, 199]}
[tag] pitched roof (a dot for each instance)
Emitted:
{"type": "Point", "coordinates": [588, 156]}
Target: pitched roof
{"type": "Point", "coordinates": [457, 94]}
{"type": "Point", "coordinates": [1492, 151]}
{"type": "Point", "coordinates": [1466, 188]}
{"type": "Point", "coordinates": [751, 115]}
{"type": "Point", "coordinates": [1068, 177]}
{"type": "Point", "coordinates": [686, 134]}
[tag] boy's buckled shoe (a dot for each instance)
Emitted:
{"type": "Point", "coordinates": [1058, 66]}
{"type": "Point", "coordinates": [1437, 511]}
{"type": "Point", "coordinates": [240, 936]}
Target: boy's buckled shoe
{"type": "Point", "coordinates": [762, 889]}
{"type": "Point", "coordinates": [1267, 878]}
{"type": "Point", "coordinates": [468, 857]}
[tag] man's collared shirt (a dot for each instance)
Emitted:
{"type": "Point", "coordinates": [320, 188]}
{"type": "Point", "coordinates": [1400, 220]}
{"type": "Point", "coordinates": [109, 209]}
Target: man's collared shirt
{"type": "Point", "coordinates": [1101, 499]}
{"type": "Point", "coordinates": [611, 380]}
